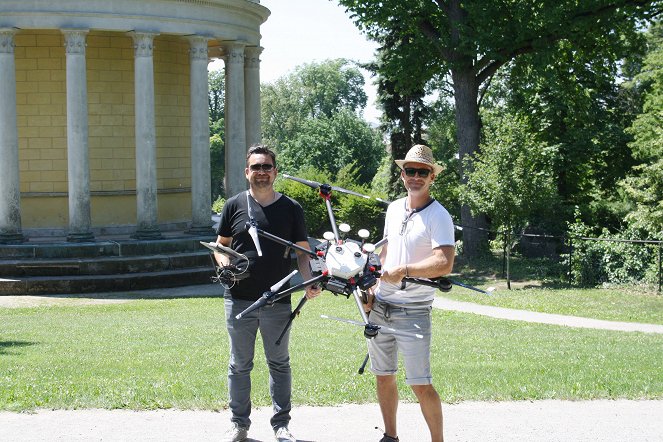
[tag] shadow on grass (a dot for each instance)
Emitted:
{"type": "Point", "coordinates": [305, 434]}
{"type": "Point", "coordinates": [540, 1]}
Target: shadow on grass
{"type": "Point", "coordinates": [5, 346]}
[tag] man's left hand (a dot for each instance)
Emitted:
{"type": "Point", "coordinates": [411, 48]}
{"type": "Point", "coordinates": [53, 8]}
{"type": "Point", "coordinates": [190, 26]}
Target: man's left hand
{"type": "Point", "coordinates": [312, 291]}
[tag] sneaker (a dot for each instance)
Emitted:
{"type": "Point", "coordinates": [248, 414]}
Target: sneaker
{"type": "Point", "coordinates": [235, 433]}
{"type": "Point", "coordinates": [282, 434]}
{"type": "Point", "coordinates": [388, 438]}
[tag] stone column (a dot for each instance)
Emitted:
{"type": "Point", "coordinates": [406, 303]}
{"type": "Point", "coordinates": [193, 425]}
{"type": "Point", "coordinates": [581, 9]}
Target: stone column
{"type": "Point", "coordinates": [252, 95]}
{"type": "Point", "coordinates": [201, 175]}
{"type": "Point", "coordinates": [78, 163]}
{"type": "Point", "coordinates": [235, 180]}
{"type": "Point", "coordinates": [146, 149]}
{"type": "Point", "coordinates": [10, 190]}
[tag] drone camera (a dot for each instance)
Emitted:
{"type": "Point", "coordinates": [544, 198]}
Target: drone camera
{"type": "Point", "coordinates": [366, 281]}
{"type": "Point", "coordinates": [337, 286]}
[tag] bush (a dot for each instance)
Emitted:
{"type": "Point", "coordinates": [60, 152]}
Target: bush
{"type": "Point", "coordinates": [597, 262]}
{"type": "Point", "coordinates": [359, 213]}
{"type": "Point", "coordinates": [217, 205]}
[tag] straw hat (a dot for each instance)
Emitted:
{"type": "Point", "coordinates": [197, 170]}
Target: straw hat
{"type": "Point", "coordinates": [420, 154]}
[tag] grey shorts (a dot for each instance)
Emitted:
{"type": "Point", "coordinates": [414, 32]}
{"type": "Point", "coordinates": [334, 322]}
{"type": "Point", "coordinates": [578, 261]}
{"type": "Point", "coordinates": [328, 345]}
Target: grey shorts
{"type": "Point", "coordinates": [384, 348]}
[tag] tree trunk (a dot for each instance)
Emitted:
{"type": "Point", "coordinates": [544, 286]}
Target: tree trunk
{"type": "Point", "coordinates": [468, 129]}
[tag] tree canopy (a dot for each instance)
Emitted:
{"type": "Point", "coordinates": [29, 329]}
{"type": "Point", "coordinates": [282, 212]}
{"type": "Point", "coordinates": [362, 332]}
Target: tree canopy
{"type": "Point", "coordinates": [463, 44]}
{"type": "Point", "coordinates": [312, 117]}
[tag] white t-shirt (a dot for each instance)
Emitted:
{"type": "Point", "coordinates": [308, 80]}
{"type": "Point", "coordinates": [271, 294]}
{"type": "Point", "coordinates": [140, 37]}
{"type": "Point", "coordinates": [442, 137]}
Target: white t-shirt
{"type": "Point", "coordinates": [412, 236]}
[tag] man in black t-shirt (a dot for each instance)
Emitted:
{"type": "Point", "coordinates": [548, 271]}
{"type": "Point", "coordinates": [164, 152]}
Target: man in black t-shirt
{"type": "Point", "coordinates": [281, 216]}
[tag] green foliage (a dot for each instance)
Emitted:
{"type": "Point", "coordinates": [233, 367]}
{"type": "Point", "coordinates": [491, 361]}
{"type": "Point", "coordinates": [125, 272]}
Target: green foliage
{"type": "Point", "coordinates": [217, 164]}
{"type": "Point", "coordinates": [463, 44]}
{"type": "Point", "coordinates": [313, 118]}
{"type": "Point", "coordinates": [644, 186]}
{"type": "Point", "coordinates": [330, 143]}
{"type": "Point", "coordinates": [510, 179]}
{"type": "Point", "coordinates": [217, 91]}
{"type": "Point", "coordinates": [216, 84]}
{"type": "Point", "coordinates": [315, 213]}
{"type": "Point", "coordinates": [611, 262]}
{"type": "Point", "coordinates": [217, 205]}
{"type": "Point", "coordinates": [358, 212]}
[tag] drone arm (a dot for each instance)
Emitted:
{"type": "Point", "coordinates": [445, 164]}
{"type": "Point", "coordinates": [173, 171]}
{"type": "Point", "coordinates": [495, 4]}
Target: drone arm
{"type": "Point", "coordinates": [332, 219]}
{"type": "Point", "coordinates": [286, 243]}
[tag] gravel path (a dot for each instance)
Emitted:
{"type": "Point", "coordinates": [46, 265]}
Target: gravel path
{"type": "Point", "coordinates": [589, 421]}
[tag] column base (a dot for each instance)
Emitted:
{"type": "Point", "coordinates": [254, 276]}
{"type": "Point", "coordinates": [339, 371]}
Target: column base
{"type": "Point", "coordinates": [80, 237]}
{"type": "Point", "coordinates": [149, 233]}
{"type": "Point", "coordinates": [200, 230]}
{"type": "Point", "coordinates": [12, 238]}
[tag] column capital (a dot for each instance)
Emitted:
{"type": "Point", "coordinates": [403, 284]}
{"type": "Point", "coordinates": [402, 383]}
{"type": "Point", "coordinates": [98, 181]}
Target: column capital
{"type": "Point", "coordinates": [198, 49]}
{"type": "Point", "coordinates": [234, 52]}
{"type": "Point", "coordinates": [74, 40]}
{"type": "Point", "coordinates": [143, 43]}
{"type": "Point", "coordinates": [7, 40]}
{"type": "Point", "coordinates": [252, 56]}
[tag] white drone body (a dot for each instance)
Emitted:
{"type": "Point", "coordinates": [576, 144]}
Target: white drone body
{"type": "Point", "coordinates": [346, 259]}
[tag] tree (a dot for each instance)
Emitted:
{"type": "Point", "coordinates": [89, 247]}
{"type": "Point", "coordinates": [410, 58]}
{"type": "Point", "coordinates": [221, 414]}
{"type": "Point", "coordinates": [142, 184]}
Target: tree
{"type": "Point", "coordinates": [511, 178]}
{"type": "Point", "coordinates": [216, 82]}
{"type": "Point", "coordinates": [311, 91]}
{"type": "Point", "coordinates": [313, 118]}
{"type": "Point", "coordinates": [331, 143]}
{"type": "Point", "coordinates": [467, 42]}
{"type": "Point", "coordinates": [644, 186]}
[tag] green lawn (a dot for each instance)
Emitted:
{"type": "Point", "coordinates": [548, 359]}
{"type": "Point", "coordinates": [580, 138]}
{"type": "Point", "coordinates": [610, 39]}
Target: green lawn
{"type": "Point", "coordinates": [162, 353]}
{"type": "Point", "coordinates": [613, 304]}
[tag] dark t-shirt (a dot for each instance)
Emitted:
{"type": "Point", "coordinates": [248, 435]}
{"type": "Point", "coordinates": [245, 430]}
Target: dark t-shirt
{"type": "Point", "coordinates": [283, 218]}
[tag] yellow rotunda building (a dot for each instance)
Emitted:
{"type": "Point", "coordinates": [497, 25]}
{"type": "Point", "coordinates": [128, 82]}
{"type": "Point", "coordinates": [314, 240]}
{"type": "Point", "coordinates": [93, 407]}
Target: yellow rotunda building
{"type": "Point", "coordinates": [104, 113]}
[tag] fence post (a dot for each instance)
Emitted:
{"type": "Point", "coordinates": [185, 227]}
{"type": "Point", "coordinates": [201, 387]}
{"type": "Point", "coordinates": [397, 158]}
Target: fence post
{"type": "Point", "coordinates": [570, 260]}
{"type": "Point", "coordinates": [504, 255]}
{"type": "Point", "coordinates": [508, 261]}
{"type": "Point", "coordinates": [659, 268]}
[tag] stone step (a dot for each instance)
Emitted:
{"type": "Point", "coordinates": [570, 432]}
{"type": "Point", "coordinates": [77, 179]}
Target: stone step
{"type": "Point", "coordinates": [124, 247]}
{"type": "Point", "coordinates": [73, 284]}
{"type": "Point", "coordinates": [103, 265]}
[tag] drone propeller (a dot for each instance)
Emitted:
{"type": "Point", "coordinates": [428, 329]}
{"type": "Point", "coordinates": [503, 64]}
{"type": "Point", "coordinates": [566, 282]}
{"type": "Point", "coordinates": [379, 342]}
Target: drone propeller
{"type": "Point", "coordinates": [374, 327]}
{"type": "Point", "coordinates": [316, 185]}
{"type": "Point", "coordinates": [253, 233]}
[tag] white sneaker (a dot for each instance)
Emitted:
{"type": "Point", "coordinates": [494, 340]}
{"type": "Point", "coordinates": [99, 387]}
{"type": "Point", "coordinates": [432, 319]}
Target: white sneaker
{"type": "Point", "coordinates": [282, 434]}
{"type": "Point", "coordinates": [235, 433]}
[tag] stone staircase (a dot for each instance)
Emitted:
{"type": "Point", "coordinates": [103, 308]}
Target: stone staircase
{"type": "Point", "coordinates": [103, 266]}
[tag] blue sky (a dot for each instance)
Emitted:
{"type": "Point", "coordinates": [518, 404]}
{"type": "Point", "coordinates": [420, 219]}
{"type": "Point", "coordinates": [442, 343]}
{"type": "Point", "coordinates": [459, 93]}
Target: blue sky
{"type": "Point", "coordinates": [303, 31]}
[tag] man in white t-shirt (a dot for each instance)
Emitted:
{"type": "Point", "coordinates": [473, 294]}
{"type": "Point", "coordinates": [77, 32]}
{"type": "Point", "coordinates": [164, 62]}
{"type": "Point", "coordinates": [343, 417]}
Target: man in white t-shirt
{"type": "Point", "coordinates": [420, 244]}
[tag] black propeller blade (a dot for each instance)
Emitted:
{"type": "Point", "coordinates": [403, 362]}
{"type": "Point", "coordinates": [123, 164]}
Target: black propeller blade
{"type": "Point", "coordinates": [316, 185]}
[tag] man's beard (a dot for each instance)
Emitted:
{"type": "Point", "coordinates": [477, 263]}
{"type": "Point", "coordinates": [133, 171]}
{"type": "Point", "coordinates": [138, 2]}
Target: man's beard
{"type": "Point", "coordinates": [262, 183]}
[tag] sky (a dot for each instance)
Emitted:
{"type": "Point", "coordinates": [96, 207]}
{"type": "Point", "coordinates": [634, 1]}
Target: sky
{"type": "Point", "coordinates": [304, 31]}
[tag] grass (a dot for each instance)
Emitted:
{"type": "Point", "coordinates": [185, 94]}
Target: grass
{"type": "Point", "coordinates": [160, 353]}
{"type": "Point", "coordinates": [536, 286]}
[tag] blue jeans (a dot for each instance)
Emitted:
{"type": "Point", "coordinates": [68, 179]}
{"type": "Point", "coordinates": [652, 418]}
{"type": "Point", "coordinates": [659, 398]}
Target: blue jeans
{"type": "Point", "coordinates": [270, 320]}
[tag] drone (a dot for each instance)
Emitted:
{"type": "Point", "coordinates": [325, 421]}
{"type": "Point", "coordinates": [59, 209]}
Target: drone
{"type": "Point", "coordinates": [340, 265]}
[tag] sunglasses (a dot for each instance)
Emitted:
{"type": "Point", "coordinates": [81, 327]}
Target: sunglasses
{"type": "Point", "coordinates": [263, 167]}
{"type": "Point", "coordinates": [411, 171]}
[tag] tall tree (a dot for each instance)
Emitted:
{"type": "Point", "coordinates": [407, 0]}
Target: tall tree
{"type": "Point", "coordinates": [467, 42]}
{"type": "Point", "coordinates": [216, 99]}
{"type": "Point", "coordinates": [310, 91]}
{"type": "Point", "coordinates": [313, 117]}
{"type": "Point", "coordinates": [644, 185]}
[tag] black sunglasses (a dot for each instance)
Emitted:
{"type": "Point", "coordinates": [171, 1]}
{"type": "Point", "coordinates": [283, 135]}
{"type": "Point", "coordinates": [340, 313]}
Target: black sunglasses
{"type": "Point", "coordinates": [264, 167]}
{"type": "Point", "coordinates": [411, 171]}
